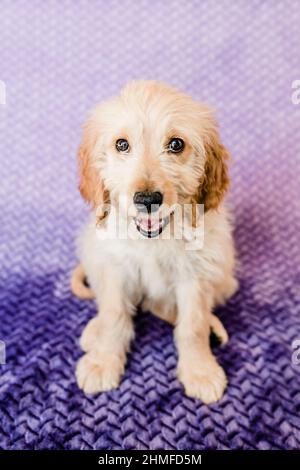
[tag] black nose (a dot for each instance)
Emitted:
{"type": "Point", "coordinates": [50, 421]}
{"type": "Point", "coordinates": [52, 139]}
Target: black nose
{"type": "Point", "coordinates": [147, 202]}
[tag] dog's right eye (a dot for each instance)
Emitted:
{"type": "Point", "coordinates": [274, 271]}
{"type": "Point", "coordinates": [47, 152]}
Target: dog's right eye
{"type": "Point", "coordinates": [122, 145]}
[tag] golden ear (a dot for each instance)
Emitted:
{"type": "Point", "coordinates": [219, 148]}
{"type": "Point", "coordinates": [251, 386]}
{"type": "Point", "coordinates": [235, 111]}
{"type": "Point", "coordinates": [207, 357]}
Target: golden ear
{"type": "Point", "coordinates": [91, 185]}
{"type": "Point", "coordinates": [215, 181]}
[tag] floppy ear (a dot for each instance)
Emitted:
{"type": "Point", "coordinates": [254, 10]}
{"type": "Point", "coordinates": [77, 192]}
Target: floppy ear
{"type": "Point", "coordinates": [215, 180]}
{"type": "Point", "coordinates": [91, 185]}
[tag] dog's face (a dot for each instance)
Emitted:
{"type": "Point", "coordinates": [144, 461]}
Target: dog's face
{"type": "Point", "coordinates": [152, 148]}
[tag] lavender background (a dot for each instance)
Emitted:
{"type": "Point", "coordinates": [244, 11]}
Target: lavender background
{"type": "Point", "coordinates": [58, 58]}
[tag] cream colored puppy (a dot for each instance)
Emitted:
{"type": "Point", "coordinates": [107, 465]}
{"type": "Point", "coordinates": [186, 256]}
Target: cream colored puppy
{"type": "Point", "coordinates": [144, 155]}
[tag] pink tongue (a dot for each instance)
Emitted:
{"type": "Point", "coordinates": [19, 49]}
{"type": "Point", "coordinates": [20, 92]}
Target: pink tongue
{"type": "Point", "coordinates": [150, 224]}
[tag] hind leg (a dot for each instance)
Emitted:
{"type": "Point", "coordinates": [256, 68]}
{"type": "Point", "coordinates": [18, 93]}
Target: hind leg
{"type": "Point", "coordinates": [78, 286]}
{"type": "Point", "coordinates": [218, 328]}
{"type": "Point", "coordinates": [169, 314]}
{"type": "Point", "coordinates": [162, 310]}
{"type": "Point", "coordinates": [224, 291]}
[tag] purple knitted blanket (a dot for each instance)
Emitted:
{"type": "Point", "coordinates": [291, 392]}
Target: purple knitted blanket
{"type": "Point", "coordinates": [57, 59]}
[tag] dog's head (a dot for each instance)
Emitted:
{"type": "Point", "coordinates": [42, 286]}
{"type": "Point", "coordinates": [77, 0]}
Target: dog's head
{"type": "Point", "coordinates": [153, 147]}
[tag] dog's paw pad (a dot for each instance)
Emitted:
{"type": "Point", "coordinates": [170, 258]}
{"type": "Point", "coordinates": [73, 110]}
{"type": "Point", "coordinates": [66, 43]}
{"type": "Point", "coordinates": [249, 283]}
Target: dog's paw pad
{"type": "Point", "coordinates": [98, 372]}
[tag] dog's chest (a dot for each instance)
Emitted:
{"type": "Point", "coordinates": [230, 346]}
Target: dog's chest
{"type": "Point", "coordinates": [159, 268]}
{"type": "Point", "coordinates": [155, 276]}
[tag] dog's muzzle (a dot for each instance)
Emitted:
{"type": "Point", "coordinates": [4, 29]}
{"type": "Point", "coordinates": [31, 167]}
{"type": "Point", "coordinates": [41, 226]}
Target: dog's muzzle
{"type": "Point", "coordinates": [147, 203]}
{"type": "Point", "coordinates": [151, 227]}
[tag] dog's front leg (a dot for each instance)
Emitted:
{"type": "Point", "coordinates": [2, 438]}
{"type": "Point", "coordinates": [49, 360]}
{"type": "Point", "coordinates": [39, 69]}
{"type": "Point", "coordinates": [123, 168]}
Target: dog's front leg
{"type": "Point", "coordinates": [198, 369]}
{"type": "Point", "coordinates": [107, 337]}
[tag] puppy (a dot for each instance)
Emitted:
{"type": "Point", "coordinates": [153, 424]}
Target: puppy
{"type": "Point", "coordinates": [144, 156]}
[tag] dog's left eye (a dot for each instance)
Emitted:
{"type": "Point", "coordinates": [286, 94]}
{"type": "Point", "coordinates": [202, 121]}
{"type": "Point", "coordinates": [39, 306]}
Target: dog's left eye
{"type": "Point", "coordinates": [122, 145]}
{"type": "Point", "coordinates": [176, 145]}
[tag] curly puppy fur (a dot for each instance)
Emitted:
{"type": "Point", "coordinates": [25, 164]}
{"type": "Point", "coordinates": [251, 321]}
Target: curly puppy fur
{"type": "Point", "coordinates": [178, 285]}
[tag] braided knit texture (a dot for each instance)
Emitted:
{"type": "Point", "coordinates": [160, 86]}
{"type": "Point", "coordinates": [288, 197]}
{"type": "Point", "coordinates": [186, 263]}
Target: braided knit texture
{"type": "Point", "coordinates": [59, 58]}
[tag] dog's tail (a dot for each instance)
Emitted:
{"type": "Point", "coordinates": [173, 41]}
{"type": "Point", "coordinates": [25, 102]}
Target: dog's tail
{"type": "Point", "coordinates": [78, 286]}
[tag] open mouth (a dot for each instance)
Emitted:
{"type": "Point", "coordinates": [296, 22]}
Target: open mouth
{"type": "Point", "coordinates": [151, 227]}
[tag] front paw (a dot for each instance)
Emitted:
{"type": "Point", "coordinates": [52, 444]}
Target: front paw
{"type": "Point", "coordinates": [99, 371]}
{"type": "Point", "coordinates": [207, 384]}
